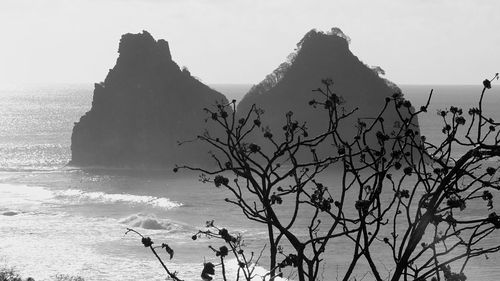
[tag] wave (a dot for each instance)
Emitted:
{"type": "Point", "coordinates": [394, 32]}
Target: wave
{"type": "Point", "coordinates": [30, 169]}
{"type": "Point", "coordinates": [21, 193]}
{"type": "Point", "coordinates": [102, 197]}
{"type": "Point", "coordinates": [16, 195]}
{"type": "Point", "coordinates": [152, 222]}
{"type": "Point", "coordinates": [10, 213]}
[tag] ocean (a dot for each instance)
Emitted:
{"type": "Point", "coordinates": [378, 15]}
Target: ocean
{"type": "Point", "coordinates": [57, 219]}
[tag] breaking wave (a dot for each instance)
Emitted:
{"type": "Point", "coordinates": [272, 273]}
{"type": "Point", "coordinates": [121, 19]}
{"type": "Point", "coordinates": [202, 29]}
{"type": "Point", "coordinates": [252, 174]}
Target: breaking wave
{"type": "Point", "coordinates": [101, 197]}
{"type": "Point", "coordinates": [151, 222]}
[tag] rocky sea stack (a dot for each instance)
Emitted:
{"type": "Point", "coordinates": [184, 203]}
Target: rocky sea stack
{"type": "Point", "coordinates": [321, 55]}
{"type": "Point", "coordinates": [143, 108]}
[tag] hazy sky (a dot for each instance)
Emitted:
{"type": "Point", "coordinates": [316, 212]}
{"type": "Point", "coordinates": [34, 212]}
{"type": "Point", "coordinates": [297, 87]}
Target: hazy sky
{"type": "Point", "coordinates": [233, 41]}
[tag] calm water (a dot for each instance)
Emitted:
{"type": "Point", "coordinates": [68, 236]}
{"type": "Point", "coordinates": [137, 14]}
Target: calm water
{"type": "Point", "coordinates": [58, 219]}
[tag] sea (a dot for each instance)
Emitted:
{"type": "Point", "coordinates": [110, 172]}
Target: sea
{"type": "Point", "coordinates": [57, 220]}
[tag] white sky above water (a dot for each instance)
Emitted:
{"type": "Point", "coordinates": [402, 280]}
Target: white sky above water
{"type": "Point", "coordinates": [233, 41]}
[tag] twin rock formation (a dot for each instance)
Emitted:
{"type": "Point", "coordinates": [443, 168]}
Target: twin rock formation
{"type": "Point", "coordinates": [147, 104]}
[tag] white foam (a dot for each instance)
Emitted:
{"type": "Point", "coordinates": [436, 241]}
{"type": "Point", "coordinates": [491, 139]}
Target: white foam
{"type": "Point", "coordinates": [150, 222]}
{"type": "Point", "coordinates": [101, 197]}
{"type": "Point", "coordinates": [19, 196]}
{"type": "Point", "coordinates": [15, 196]}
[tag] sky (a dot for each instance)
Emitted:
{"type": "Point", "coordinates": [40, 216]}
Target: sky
{"type": "Point", "coordinates": [241, 41]}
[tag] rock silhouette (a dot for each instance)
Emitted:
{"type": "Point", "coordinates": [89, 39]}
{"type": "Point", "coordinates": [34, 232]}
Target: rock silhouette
{"type": "Point", "coordinates": [318, 56]}
{"type": "Point", "coordinates": [143, 108]}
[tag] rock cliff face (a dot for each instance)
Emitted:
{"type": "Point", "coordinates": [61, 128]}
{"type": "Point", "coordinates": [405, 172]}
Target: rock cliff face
{"type": "Point", "coordinates": [319, 56]}
{"type": "Point", "coordinates": [143, 108]}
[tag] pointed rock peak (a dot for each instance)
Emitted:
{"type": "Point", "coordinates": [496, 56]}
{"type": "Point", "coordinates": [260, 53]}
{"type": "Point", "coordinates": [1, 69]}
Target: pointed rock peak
{"type": "Point", "coordinates": [145, 106]}
{"type": "Point", "coordinates": [320, 55]}
{"type": "Point", "coordinates": [335, 35]}
{"type": "Point", "coordinates": [316, 49]}
{"type": "Point", "coordinates": [141, 46]}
